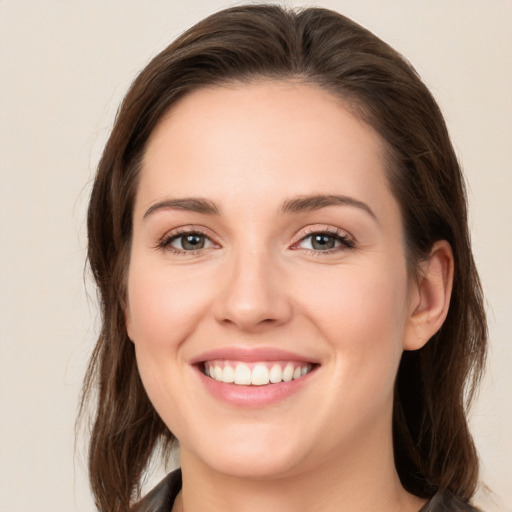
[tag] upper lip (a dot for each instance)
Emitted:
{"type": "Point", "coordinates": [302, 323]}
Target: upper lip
{"type": "Point", "coordinates": [251, 355]}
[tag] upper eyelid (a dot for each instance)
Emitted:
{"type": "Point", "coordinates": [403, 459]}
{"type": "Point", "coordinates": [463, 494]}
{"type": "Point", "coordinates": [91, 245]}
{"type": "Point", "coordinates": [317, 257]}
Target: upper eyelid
{"type": "Point", "coordinates": [183, 230]}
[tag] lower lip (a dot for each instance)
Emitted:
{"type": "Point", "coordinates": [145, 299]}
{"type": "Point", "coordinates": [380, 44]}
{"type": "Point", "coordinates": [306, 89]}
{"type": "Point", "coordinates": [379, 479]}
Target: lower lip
{"type": "Point", "coordinates": [253, 396]}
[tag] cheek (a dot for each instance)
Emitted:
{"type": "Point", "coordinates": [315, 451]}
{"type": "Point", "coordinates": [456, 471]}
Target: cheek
{"type": "Point", "coordinates": [363, 320]}
{"type": "Point", "coordinates": [362, 315]}
{"type": "Point", "coordinates": [163, 306]}
{"type": "Point", "coordinates": [356, 301]}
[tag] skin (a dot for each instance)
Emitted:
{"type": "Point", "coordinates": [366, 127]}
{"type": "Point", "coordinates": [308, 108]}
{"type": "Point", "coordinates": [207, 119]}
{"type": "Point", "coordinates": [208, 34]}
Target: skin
{"type": "Point", "coordinates": [259, 281]}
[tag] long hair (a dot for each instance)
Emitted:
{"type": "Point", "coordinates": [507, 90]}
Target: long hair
{"type": "Point", "coordinates": [434, 386]}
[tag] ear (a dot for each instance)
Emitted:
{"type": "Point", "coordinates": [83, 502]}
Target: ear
{"type": "Point", "coordinates": [430, 296]}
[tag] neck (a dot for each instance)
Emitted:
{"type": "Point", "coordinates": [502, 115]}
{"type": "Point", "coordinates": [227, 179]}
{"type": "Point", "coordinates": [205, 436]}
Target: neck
{"type": "Point", "coordinates": [350, 481]}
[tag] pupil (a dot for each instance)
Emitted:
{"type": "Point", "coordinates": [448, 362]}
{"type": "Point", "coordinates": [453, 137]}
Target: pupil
{"type": "Point", "coordinates": [323, 242]}
{"type": "Point", "coordinates": [192, 242]}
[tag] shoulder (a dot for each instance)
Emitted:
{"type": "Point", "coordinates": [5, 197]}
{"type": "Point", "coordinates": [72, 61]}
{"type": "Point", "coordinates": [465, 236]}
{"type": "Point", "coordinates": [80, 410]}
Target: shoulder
{"type": "Point", "coordinates": [160, 498]}
{"type": "Point", "coordinates": [448, 502]}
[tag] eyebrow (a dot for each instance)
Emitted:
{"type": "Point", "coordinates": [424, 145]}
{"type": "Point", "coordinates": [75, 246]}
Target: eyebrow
{"type": "Point", "coordinates": [315, 202]}
{"type": "Point", "coordinates": [192, 204]}
{"type": "Point", "coordinates": [293, 205]}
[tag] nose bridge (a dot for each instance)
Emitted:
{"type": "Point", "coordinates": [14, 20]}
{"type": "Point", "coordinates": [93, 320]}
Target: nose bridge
{"type": "Point", "coordinates": [253, 293]}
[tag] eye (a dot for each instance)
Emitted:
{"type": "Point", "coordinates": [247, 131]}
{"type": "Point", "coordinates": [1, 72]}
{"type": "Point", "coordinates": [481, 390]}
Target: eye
{"type": "Point", "coordinates": [186, 241]}
{"type": "Point", "coordinates": [325, 241]}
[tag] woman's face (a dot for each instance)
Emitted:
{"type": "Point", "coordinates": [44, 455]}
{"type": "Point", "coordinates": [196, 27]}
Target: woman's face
{"type": "Point", "coordinates": [267, 246]}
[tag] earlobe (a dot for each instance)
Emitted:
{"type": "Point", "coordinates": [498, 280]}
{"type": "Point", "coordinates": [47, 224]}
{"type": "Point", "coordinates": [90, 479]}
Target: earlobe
{"type": "Point", "coordinates": [430, 299]}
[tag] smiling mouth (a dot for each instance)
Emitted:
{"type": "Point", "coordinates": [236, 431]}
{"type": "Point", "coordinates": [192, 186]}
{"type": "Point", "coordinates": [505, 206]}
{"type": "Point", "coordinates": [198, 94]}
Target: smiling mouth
{"type": "Point", "coordinates": [255, 374]}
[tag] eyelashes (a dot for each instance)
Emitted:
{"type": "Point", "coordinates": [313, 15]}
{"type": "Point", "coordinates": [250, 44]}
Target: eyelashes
{"type": "Point", "coordinates": [324, 241]}
{"type": "Point", "coordinates": [193, 240]}
{"type": "Point", "coordinates": [186, 241]}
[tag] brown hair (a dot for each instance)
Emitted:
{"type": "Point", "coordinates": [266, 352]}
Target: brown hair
{"type": "Point", "coordinates": [433, 446]}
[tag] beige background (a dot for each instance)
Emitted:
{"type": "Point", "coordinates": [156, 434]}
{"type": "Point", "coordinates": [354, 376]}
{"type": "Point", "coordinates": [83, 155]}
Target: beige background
{"type": "Point", "coordinates": [64, 66]}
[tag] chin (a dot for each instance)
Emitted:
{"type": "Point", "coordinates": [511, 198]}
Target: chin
{"type": "Point", "coordinates": [253, 453]}
{"type": "Point", "coordinates": [259, 467]}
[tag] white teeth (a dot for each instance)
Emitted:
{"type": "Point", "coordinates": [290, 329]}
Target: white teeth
{"type": "Point", "coordinates": [288, 373]}
{"type": "Point", "coordinates": [228, 374]}
{"type": "Point", "coordinates": [260, 375]}
{"type": "Point", "coordinates": [242, 374]}
{"type": "Point", "coordinates": [276, 374]}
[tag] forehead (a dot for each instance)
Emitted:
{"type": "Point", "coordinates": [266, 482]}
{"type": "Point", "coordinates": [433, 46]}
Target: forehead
{"type": "Point", "coordinates": [262, 140]}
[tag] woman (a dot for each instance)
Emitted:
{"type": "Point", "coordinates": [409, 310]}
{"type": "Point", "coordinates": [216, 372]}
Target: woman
{"type": "Point", "coordinates": [278, 232]}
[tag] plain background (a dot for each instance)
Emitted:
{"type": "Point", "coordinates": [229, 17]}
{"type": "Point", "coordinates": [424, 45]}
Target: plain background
{"type": "Point", "coordinates": [64, 66]}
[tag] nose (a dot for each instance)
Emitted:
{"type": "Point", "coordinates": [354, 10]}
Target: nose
{"type": "Point", "coordinates": [253, 295]}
